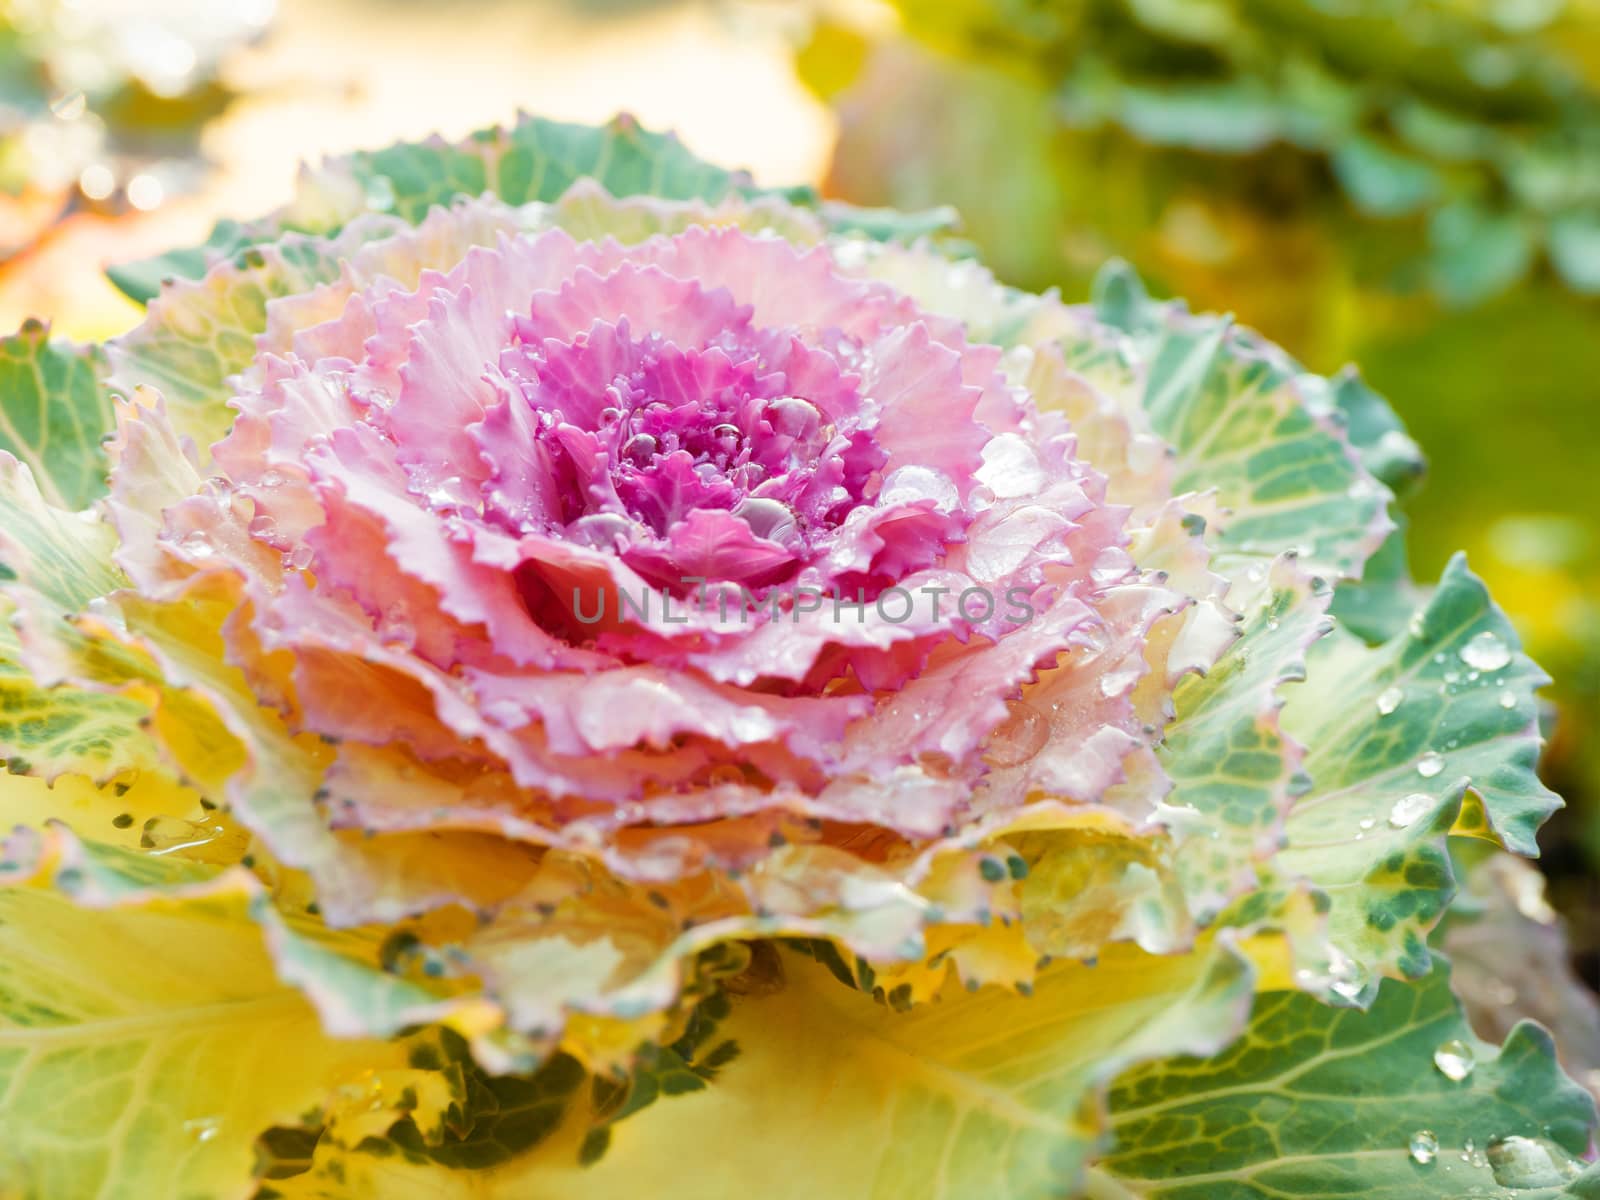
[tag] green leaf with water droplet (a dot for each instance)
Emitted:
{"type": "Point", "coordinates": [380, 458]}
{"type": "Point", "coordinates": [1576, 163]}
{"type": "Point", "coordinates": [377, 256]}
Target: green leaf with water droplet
{"type": "Point", "coordinates": [1233, 772]}
{"type": "Point", "coordinates": [1245, 420]}
{"type": "Point", "coordinates": [1314, 1103]}
{"type": "Point", "coordinates": [54, 410]}
{"type": "Point", "coordinates": [1395, 735]}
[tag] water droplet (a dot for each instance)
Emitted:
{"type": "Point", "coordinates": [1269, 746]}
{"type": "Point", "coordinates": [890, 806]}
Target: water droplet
{"type": "Point", "coordinates": [1486, 652]}
{"type": "Point", "coordinates": [202, 1129]}
{"type": "Point", "coordinates": [300, 557]}
{"type": "Point", "coordinates": [1408, 809]}
{"type": "Point", "coordinates": [1430, 764]}
{"type": "Point", "coordinates": [272, 478]}
{"type": "Point", "coordinates": [198, 840]}
{"type": "Point", "coordinates": [1019, 737]}
{"type": "Point", "coordinates": [263, 527]}
{"type": "Point", "coordinates": [1347, 978]}
{"type": "Point", "coordinates": [641, 448]}
{"type": "Point", "coordinates": [1424, 1146]}
{"type": "Point", "coordinates": [1455, 1060]}
{"type": "Point", "coordinates": [217, 489]}
{"type": "Point", "coordinates": [792, 416]}
{"type": "Point", "coordinates": [1507, 699]}
{"type": "Point", "coordinates": [1368, 822]}
{"type": "Point", "coordinates": [396, 629]}
{"type": "Point", "coordinates": [1118, 683]}
{"type": "Point", "coordinates": [70, 105]}
{"type": "Point", "coordinates": [726, 773]}
{"type": "Point", "coordinates": [195, 544]}
{"type": "Point", "coordinates": [1389, 700]}
{"type": "Point", "coordinates": [1519, 1162]}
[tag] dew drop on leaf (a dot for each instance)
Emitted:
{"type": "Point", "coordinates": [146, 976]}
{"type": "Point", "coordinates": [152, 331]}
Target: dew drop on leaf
{"type": "Point", "coordinates": [1430, 764]}
{"type": "Point", "coordinates": [1347, 978]}
{"type": "Point", "coordinates": [1519, 1162]}
{"type": "Point", "coordinates": [1507, 699]}
{"type": "Point", "coordinates": [1486, 652]}
{"type": "Point", "coordinates": [1408, 809]}
{"type": "Point", "coordinates": [202, 1129]}
{"type": "Point", "coordinates": [1019, 737]}
{"type": "Point", "coordinates": [1389, 700]}
{"type": "Point", "coordinates": [1455, 1060]}
{"type": "Point", "coordinates": [1424, 1146]}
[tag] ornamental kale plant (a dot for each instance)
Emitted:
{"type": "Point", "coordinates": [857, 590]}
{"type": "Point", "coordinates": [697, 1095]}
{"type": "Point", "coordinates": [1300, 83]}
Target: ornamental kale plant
{"type": "Point", "coordinates": [568, 674]}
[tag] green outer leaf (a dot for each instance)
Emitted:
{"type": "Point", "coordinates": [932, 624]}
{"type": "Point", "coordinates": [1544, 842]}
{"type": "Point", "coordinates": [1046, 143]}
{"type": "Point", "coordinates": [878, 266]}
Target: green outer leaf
{"type": "Point", "coordinates": [1233, 772]}
{"type": "Point", "coordinates": [531, 160]}
{"type": "Point", "coordinates": [200, 335]}
{"type": "Point", "coordinates": [1316, 1102]}
{"type": "Point", "coordinates": [1481, 720]}
{"type": "Point", "coordinates": [983, 1094]}
{"type": "Point", "coordinates": [144, 1036]}
{"type": "Point", "coordinates": [50, 732]}
{"type": "Point", "coordinates": [63, 558]}
{"type": "Point", "coordinates": [1371, 832]}
{"type": "Point", "coordinates": [1245, 420]}
{"type": "Point", "coordinates": [54, 411]}
{"type": "Point", "coordinates": [1376, 607]}
{"type": "Point", "coordinates": [141, 280]}
{"type": "Point", "coordinates": [53, 563]}
{"type": "Point", "coordinates": [534, 159]}
{"type": "Point", "coordinates": [1376, 432]}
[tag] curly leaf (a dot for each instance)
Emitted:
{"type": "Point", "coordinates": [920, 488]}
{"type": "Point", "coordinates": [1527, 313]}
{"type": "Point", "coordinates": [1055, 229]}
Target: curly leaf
{"type": "Point", "coordinates": [54, 411]}
{"type": "Point", "coordinates": [50, 732]}
{"type": "Point", "coordinates": [145, 1039]}
{"type": "Point", "coordinates": [1395, 735]}
{"type": "Point", "coordinates": [534, 159]}
{"type": "Point", "coordinates": [985, 1093]}
{"type": "Point", "coordinates": [1447, 704]}
{"type": "Point", "coordinates": [201, 334]}
{"type": "Point", "coordinates": [1234, 774]}
{"type": "Point", "coordinates": [1317, 1102]}
{"type": "Point", "coordinates": [1248, 422]}
{"type": "Point", "coordinates": [61, 557]}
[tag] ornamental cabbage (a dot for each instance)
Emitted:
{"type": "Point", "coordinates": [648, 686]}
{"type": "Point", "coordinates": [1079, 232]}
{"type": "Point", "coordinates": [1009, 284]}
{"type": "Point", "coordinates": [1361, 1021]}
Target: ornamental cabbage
{"type": "Point", "coordinates": [570, 674]}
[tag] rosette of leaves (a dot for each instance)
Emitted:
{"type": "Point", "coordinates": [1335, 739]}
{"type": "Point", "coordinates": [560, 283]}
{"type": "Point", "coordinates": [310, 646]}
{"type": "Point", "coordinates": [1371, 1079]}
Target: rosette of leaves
{"type": "Point", "coordinates": [349, 861]}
